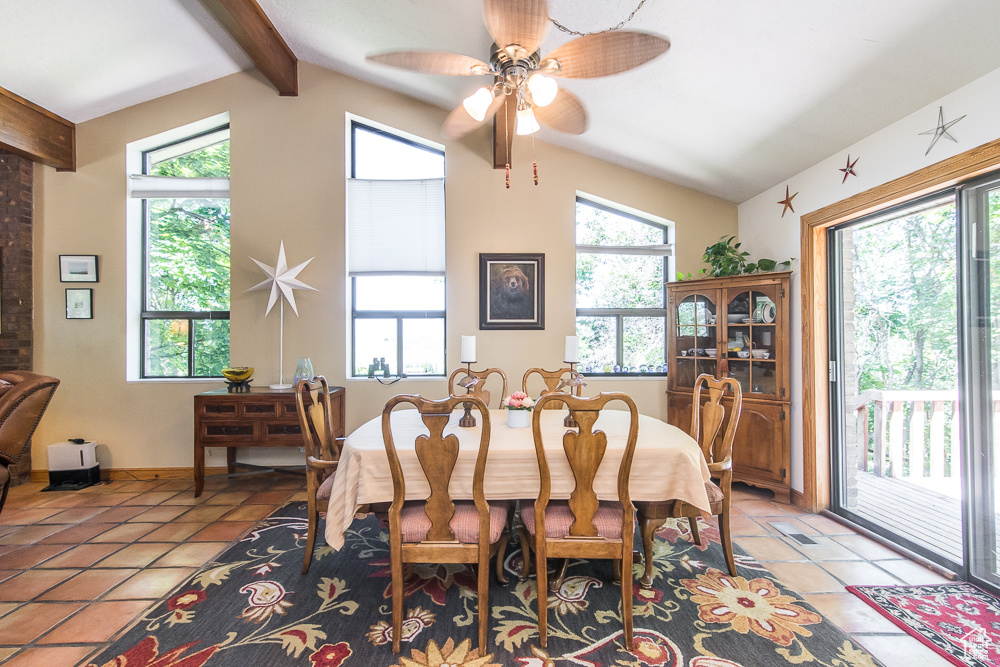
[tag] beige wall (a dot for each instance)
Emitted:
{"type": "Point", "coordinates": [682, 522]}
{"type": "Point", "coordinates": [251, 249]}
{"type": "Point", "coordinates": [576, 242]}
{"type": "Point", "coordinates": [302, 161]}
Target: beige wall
{"type": "Point", "coordinates": [288, 171]}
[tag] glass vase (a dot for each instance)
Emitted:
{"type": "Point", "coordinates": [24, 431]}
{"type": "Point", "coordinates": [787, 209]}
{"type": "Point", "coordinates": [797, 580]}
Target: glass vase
{"type": "Point", "coordinates": [303, 370]}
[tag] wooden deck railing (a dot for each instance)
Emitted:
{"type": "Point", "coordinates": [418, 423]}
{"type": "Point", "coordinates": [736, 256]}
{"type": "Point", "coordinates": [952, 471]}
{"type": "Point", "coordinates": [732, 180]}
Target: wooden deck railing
{"type": "Point", "coordinates": [913, 433]}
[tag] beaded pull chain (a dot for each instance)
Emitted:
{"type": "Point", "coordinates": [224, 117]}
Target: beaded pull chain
{"type": "Point", "coordinates": [534, 166]}
{"type": "Point", "coordinates": [508, 176]}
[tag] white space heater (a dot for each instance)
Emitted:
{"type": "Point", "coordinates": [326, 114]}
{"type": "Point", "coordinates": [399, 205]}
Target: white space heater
{"type": "Point", "coordinates": [72, 466]}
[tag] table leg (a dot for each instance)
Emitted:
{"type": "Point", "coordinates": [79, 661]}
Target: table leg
{"type": "Point", "coordinates": [230, 460]}
{"type": "Point", "coordinates": [650, 517]}
{"type": "Point", "coordinates": [199, 469]}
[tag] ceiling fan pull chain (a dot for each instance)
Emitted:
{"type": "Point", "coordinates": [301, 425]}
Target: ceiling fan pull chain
{"type": "Point", "coordinates": [507, 178]}
{"type": "Point", "coordinates": [596, 32]}
{"type": "Point", "coordinates": [534, 162]}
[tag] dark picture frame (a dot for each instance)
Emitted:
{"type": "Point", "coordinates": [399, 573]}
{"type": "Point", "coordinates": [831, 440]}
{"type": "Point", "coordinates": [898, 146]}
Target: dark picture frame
{"type": "Point", "coordinates": [511, 291]}
{"type": "Point", "coordinates": [78, 269]}
{"type": "Point", "coordinates": [79, 303]}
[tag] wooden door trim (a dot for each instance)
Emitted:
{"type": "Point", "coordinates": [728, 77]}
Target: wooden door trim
{"type": "Point", "coordinates": [815, 339]}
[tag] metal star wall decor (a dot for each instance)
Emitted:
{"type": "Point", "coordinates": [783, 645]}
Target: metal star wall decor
{"type": "Point", "coordinates": [941, 130]}
{"type": "Point", "coordinates": [787, 202]}
{"type": "Point", "coordinates": [849, 169]}
{"type": "Point", "coordinates": [281, 280]}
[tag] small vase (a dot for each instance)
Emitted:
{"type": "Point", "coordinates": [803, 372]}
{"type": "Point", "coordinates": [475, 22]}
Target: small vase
{"type": "Point", "coordinates": [303, 370]}
{"type": "Point", "coordinates": [518, 418]}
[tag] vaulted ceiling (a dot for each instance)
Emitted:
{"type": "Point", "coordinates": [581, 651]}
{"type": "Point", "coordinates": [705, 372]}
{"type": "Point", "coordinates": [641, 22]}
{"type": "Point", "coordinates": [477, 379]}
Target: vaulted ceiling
{"type": "Point", "coordinates": [749, 94]}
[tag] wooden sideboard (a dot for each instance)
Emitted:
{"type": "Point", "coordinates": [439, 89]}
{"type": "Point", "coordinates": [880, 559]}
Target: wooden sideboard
{"type": "Point", "coordinates": [260, 418]}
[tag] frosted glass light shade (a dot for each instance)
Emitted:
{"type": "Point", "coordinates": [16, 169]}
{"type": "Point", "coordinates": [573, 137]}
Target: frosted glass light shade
{"type": "Point", "coordinates": [543, 89]}
{"type": "Point", "coordinates": [477, 103]}
{"type": "Point", "coordinates": [526, 123]}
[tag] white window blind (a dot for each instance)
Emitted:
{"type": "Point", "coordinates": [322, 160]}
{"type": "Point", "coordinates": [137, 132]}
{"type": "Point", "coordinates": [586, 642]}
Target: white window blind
{"type": "Point", "coordinates": [395, 227]}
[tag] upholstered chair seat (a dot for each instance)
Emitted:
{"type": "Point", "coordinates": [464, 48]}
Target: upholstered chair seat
{"type": "Point", "coordinates": [465, 523]}
{"type": "Point", "coordinates": [559, 518]}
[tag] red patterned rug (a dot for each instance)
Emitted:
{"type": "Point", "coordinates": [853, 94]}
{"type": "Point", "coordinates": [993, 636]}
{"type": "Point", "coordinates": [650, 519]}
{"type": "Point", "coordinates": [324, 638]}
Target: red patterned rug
{"type": "Point", "coordinates": [958, 620]}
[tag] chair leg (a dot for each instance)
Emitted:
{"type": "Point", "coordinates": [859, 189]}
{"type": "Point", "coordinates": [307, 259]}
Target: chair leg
{"type": "Point", "coordinates": [501, 554]}
{"type": "Point", "coordinates": [542, 572]}
{"type": "Point", "coordinates": [625, 565]}
{"type": "Point", "coordinates": [396, 566]}
{"type": "Point", "coordinates": [310, 539]}
{"type": "Point", "coordinates": [525, 553]}
{"type": "Point", "coordinates": [727, 542]}
{"type": "Point", "coordinates": [484, 601]}
{"type": "Point", "coordinates": [695, 537]}
{"type": "Point", "coordinates": [561, 576]}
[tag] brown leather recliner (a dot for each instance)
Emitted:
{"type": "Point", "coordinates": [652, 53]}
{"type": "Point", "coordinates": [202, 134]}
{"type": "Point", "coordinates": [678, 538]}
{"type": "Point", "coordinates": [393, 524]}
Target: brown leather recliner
{"type": "Point", "coordinates": [22, 403]}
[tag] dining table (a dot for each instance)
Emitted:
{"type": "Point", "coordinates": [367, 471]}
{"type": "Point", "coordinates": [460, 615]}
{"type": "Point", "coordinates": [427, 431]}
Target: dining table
{"type": "Point", "coordinates": [668, 464]}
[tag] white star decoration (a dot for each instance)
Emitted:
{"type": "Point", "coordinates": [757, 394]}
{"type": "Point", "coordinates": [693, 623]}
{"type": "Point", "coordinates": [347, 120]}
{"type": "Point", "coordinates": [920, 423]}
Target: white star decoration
{"type": "Point", "coordinates": [941, 130]}
{"type": "Point", "coordinates": [281, 280]}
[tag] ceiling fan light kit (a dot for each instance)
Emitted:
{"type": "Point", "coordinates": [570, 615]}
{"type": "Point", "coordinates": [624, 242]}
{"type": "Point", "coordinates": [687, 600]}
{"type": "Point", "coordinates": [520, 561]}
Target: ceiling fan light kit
{"type": "Point", "coordinates": [522, 77]}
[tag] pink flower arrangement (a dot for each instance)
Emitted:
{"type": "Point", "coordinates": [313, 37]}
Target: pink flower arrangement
{"type": "Point", "coordinates": [518, 401]}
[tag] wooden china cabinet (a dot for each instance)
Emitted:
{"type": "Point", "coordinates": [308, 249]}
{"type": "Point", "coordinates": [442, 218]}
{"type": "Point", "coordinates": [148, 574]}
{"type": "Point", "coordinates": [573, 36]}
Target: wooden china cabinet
{"type": "Point", "coordinates": [737, 326]}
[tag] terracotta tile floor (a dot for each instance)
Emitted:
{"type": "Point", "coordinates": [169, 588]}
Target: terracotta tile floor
{"type": "Point", "coordinates": [110, 551]}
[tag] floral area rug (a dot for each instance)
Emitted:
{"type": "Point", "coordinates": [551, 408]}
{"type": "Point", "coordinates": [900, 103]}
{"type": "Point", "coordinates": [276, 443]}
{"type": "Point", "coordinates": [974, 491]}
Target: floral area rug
{"type": "Point", "coordinates": [253, 607]}
{"type": "Point", "coordinates": [958, 620]}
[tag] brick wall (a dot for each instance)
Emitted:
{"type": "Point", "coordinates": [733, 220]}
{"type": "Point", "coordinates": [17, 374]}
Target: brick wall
{"type": "Point", "coordinates": [15, 274]}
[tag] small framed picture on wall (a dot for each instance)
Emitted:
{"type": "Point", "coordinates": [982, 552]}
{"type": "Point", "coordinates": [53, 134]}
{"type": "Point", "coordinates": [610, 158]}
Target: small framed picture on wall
{"type": "Point", "coordinates": [79, 304]}
{"type": "Point", "coordinates": [78, 268]}
{"type": "Point", "coordinates": [511, 291]}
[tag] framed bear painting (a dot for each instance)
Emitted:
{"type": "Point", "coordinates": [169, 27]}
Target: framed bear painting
{"type": "Point", "coordinates": [511, 291]}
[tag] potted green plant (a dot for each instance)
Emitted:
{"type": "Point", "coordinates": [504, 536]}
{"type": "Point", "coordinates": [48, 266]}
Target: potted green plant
{"type": "Point", "coordinates": [726, 259]}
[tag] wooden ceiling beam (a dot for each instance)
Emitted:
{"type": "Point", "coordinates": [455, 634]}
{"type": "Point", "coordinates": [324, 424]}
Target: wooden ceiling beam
{"type": "Point", "coordinates": [30, 131]}
{"type": "Point", "coordinates": [257, 36]}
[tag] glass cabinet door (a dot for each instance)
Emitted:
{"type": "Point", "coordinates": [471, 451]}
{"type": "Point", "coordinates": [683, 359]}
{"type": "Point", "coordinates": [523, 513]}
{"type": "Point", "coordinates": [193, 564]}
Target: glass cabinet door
{"type": "Point", "coordinates": [696, 344]}
{"type": "Point", "coordinates": [751, 341]}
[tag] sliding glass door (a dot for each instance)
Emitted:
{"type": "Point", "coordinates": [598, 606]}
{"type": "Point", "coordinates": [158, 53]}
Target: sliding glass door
{"type": "Point", "coordinates": [895, 376]}
{"type": "Point", "coordinates": [979, 345]}
{"type": "Point", "coordinates": [915, 376]}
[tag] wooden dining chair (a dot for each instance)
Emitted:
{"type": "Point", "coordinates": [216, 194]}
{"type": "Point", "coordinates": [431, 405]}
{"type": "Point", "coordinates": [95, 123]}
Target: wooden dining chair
{"type": "Point", "coordinates": [706, 428]}
{"type": "Point", "coordinates": [552, 380]}
{"type": "Point", "coordinates": [438, 529]}
{"type": "Point", "coordinates": [317, 423]}
{"type": "Point", "coordinates": [582, 527]}
{"type": "Point", "coordinates": [478, 378]}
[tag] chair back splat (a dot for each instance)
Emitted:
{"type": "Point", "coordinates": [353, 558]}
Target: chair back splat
{"type": "Point", "coordinates": [477, 381]}
{"type": "Point", "coordinates": [707, 420]}
{"type": "Point", "coordinates": [555, 381]}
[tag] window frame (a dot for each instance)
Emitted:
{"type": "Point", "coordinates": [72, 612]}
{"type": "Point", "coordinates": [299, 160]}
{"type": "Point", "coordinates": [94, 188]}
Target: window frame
{"type": "Point", "coordinates": [398, 315]}
{"type": "Point", "coordinates": [620, 314]}
{"type": "Point", "coordinates": [145, 313]}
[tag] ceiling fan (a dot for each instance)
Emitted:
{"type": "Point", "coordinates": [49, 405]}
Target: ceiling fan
{"type": "Point", "coordinates": [521, 76]}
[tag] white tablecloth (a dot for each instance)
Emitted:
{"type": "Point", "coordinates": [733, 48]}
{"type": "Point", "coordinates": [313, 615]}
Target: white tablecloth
{"type": "Point", "coordinates": [668, 463]}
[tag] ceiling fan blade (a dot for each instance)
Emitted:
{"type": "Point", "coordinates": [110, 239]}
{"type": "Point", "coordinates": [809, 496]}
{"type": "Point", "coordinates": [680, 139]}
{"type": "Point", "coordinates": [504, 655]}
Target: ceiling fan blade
{"type": "Point", "coordinates": [521, 22]}
{"type": "Point", "coordinates": [459, 123]}
{"type": "Point", "coordinates": [605, 53]}
{"type": "Point", "coordinates": [432, 62]}
{"type": "Point", "coordinates": [565, 113]}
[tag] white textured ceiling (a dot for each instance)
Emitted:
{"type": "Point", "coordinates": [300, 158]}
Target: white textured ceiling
{"type": "Point", "coordinates": [750, 93]}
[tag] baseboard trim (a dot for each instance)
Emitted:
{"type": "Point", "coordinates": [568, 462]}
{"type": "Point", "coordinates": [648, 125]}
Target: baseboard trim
{"type": "Point", "coordinates": [798, 498]}
{"type": "Point", "coordinates": [138, 474]}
